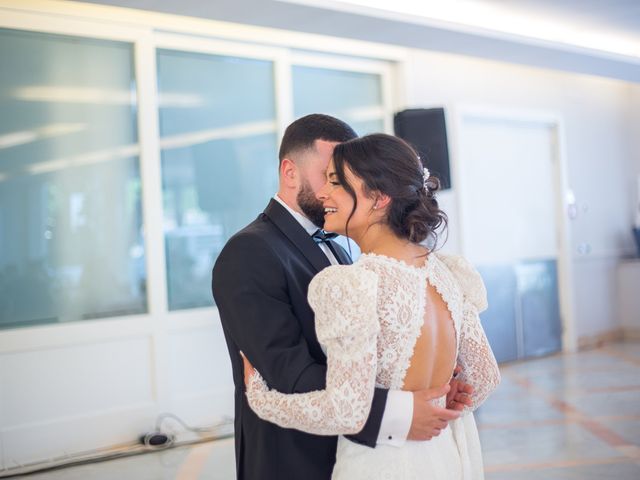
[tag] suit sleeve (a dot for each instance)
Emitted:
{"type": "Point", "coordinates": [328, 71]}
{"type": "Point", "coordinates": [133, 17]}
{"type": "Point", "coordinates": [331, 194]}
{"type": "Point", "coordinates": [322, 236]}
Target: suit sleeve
{"type": "Point", "coordinates": [250, 290]}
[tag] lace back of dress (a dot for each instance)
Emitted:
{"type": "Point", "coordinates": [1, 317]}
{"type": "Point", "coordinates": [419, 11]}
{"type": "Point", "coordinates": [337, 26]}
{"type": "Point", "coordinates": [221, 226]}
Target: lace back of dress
{"type": "Point", "coordinates": [403, 311]}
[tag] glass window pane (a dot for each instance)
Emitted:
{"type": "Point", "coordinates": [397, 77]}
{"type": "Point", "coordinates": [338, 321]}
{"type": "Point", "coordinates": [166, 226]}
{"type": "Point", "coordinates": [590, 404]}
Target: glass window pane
{"type": "Point", "coordinates": [70, 212]}
{"type": "Point", "coordinates": [219, 160]}
{"type": "Point", "coordinates": [353, 97]}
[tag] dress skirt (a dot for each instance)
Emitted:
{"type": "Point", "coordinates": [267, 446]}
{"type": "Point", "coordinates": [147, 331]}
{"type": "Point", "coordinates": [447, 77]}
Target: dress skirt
{"type": "Point", "coordinates": [453, 455]}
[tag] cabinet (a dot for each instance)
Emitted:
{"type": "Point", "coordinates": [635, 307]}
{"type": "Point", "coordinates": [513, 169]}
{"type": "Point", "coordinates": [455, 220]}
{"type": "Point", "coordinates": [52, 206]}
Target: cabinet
{"type": "Point", "coordinates": [523, 318]}
{"type": "Point", "coordinates": [629, 296]}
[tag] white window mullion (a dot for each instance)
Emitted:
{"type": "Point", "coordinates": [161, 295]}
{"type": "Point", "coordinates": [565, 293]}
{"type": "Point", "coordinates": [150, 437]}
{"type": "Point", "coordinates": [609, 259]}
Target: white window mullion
{"type": "Point", "coordinates": [389, 100]}
{"type": "Point", "coordinates": [284, 92]}
{"type": "Point", "coordinates": [148, 128]}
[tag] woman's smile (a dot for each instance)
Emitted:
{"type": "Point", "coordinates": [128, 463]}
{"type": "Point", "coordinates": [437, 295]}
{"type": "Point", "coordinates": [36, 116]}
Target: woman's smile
{"type": "Point", "coordinates": [329, 210]}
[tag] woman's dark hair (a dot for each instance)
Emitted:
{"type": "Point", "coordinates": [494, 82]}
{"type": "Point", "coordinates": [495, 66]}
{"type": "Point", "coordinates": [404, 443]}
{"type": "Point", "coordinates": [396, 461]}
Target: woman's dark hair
{"type": "Point", "coordinates": [389, 165]}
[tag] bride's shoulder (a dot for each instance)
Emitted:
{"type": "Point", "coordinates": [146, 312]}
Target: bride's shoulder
{"type": "Point", "coordinates": [347, 279]}
{"type": "Point", "coordinates": [343, 298]}
{"type": "Point", "coordinates": [467, 277]}
{"type": "Point", "coordinates": [456, 263]}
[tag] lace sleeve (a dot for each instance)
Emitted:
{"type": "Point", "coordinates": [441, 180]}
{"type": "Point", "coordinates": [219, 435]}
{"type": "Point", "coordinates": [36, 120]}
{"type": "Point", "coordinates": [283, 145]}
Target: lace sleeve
{"type": "Point", "coordinates": [475, 357]}
{"type": "Point", "coordinates": [479, 366]}
{"type": "Point", "coordinates": [344, 301]}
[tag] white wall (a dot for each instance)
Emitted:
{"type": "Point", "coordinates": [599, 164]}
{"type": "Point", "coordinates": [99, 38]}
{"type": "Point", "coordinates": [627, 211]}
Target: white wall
{"type": "Point", "coordinates": [598, 141]}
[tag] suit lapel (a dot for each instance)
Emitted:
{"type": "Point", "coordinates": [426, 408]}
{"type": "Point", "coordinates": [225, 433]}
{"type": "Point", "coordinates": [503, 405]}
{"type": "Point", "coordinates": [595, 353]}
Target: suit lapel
{"type": "Point", "coordinates": [296, 234]}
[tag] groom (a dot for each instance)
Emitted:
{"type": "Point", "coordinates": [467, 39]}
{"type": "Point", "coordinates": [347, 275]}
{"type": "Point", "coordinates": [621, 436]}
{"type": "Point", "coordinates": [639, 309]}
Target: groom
{"type": "Point", "coordinates": [260, 283]}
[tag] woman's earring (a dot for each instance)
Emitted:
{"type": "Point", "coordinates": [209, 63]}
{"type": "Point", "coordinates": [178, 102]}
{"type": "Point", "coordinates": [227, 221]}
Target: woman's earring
{"type": "Point", "coordinates": [375, 206]}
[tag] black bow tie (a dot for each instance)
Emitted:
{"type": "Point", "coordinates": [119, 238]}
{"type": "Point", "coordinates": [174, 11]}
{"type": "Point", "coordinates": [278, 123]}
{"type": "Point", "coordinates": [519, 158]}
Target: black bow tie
{"type": "Point", "coordinates": [320, 236]}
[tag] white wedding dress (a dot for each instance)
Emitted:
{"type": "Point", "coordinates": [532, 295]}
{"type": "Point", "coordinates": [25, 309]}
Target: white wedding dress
{"type": "Point", "coordinates": [368, 318]}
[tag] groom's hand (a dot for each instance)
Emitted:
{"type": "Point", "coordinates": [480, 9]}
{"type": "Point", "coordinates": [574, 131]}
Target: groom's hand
{"type": "Point", "coordinates": [428, 419]}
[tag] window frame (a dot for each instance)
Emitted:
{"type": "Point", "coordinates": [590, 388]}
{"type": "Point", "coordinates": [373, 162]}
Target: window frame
{"type": "Point", "coordinates": [147, 32]}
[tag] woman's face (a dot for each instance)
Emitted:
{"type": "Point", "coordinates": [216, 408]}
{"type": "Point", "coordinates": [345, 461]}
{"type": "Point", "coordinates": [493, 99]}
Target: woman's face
{"type": "Point", "coordinates": [338, 204]}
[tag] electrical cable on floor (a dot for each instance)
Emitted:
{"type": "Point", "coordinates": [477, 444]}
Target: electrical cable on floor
{"type": "Point", "coordinates": [158, 440]}
{"type": "Point", "coordinates": [216, 431]}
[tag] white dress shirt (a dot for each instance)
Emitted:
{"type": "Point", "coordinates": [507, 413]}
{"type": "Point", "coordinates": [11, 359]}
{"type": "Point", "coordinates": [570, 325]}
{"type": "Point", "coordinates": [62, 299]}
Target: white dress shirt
{"type": "Point", "coordinates": [398, 412]}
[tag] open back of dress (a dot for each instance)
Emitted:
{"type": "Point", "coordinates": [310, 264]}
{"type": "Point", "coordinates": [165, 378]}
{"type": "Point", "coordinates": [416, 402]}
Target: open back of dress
{"type": "Point", "coordinates": [434, 353]}
{"type": "Point", "coordinates": [419, 324]}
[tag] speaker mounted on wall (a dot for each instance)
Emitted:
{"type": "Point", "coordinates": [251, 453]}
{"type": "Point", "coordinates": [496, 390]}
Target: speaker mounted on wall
{"type": "Point", "coordinates": [425, 129]}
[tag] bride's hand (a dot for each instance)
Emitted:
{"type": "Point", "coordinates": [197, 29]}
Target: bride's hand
{"type": "Point", "coordinates": [460, 394]}
{"type": "Point", "coordinates": [248, 369]}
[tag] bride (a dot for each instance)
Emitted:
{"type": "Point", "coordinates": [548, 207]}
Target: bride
{"type": "Point", "coordinates": [401, 317]}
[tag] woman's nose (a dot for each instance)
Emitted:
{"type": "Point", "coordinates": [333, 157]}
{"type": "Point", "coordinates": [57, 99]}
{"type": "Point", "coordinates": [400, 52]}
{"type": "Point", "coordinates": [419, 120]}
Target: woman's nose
{"type": "Point", "coordinates": [322, 193]}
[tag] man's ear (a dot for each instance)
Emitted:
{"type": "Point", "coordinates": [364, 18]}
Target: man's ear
{"type": "Point", "coordinates": [289, 173]}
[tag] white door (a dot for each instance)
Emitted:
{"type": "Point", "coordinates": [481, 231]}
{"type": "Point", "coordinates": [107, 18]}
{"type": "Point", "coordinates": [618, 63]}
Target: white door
{"type": "Point", "coordinates": [507, 181]}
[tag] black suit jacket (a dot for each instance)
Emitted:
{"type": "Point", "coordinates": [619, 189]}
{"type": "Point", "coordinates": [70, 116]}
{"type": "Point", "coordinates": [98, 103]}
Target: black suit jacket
{"type": "Point", "coordinates": [260, 283]}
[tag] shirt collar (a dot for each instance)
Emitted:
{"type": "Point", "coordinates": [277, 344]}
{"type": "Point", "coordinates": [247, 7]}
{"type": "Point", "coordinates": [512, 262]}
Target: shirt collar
{"type": "Point", "coordinates": [307, 224]}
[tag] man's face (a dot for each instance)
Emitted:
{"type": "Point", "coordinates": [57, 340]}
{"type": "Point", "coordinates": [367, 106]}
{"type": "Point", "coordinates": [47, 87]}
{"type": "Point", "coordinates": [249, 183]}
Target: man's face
{"type": "Point", "coordinates": [313, 170]}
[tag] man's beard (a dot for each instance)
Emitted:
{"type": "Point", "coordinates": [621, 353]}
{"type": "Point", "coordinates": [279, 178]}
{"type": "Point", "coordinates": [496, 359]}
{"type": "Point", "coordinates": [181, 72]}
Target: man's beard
{"type": "Point", "coordinates": [310, 205]}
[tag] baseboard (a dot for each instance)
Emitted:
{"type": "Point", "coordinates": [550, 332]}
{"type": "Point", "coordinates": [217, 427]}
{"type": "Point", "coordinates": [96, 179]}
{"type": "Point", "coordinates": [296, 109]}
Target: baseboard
{"type": "Point", "coordinates": [631, 333]}
{"type": "Point", "coordinates": [587, 342]}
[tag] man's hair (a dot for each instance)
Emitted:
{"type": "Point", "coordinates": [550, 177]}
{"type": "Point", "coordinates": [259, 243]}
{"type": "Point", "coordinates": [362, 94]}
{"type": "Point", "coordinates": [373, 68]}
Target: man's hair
{"type": "Point", "coordinates": [302, 133]}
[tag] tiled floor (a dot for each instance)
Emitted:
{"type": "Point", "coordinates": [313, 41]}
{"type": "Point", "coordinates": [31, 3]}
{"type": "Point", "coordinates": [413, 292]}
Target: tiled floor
{"type": "Point", "coordinates": [564, 417]}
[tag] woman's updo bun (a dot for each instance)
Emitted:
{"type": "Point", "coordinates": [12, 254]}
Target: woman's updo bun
{"type": "Point", "coordinates": [389, 165]}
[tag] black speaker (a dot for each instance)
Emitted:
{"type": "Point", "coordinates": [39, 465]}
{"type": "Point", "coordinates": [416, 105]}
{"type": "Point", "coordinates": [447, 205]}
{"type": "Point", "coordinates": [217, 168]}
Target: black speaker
{"type": "Point", "coordinates": [426, 131]}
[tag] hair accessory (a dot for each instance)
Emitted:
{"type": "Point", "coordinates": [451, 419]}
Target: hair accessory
{"type": "Point", "coordinates": [425, 179]}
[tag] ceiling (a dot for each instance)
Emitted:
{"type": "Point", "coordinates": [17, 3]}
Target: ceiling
{"type": "Point", "coordinates": [605, 25]}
